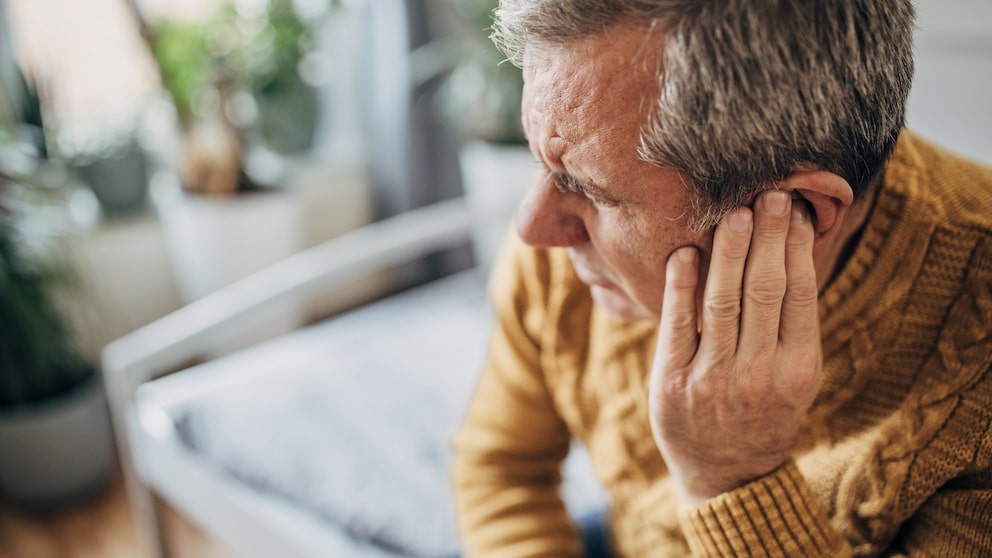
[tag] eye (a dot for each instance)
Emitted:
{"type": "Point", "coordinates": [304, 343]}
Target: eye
{"type": "Point", "coordinates": [565, 182]}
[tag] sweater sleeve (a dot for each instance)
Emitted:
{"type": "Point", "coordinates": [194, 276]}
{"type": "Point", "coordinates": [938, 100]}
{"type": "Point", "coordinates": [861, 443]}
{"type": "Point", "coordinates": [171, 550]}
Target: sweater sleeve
{"type": "Point", "coordinates": [775, 515]}
{"type": "Point", "coordinates": [510, 448]}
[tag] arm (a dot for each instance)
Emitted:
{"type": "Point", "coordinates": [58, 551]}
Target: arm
{"type": "Point", "coordinates": [732, 378]}
{"type": "Point", "coordinates": [777, 515]}
{"type": "Point", "coordinates": [728, 396]}
{"type": "Point", "coordinates": [956, 521]}
{"type": "Point", "coordinates": [510, 449]}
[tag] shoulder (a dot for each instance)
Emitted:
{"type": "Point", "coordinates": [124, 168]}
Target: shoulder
{"type": "Point", "coordinates": [952, 202]}
{"type": "Point", "coordinates": [958, 191]}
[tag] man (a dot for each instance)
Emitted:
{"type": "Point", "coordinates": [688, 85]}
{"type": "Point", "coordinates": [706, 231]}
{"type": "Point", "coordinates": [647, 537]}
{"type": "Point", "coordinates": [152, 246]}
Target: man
{"type": "Point", "coordinates": [764, 307]}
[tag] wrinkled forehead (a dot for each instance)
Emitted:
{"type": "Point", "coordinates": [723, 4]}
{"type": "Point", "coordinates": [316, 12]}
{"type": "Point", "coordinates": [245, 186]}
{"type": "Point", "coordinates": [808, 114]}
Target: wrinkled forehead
{"type": "Point", "coordinates": [608, 78]}
{"type": "Point", "coordinates": [620, 66]}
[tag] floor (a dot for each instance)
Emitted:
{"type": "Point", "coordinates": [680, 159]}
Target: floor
{"type": "Point", "coordinates": [100, 528]}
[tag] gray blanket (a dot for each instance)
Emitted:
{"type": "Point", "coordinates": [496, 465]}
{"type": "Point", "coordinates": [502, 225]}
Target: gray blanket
{"type": "Point", "coordinates": [358, 432]}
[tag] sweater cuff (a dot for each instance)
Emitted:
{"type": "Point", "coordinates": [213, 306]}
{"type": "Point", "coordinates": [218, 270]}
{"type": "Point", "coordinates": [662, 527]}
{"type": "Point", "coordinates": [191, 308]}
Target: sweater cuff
{"type": "Point", "coordinates": [775, 515]}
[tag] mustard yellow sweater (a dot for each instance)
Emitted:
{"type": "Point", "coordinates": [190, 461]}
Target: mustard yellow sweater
{"type": "Point", "coordinates": [894, 457]}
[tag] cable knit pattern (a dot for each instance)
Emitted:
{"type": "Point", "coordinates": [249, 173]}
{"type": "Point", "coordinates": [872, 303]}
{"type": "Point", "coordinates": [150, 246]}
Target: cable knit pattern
{"type": "Point", "coordinates": [893, 459]}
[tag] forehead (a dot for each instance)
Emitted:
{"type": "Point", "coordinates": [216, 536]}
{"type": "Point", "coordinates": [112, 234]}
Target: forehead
{"type": "Point", "coordinates": [599, 88]}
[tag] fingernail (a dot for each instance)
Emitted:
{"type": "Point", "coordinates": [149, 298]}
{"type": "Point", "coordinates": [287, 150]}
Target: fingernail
{"type": "Point", "coordinates": [798, 212]}
{"type": "Point", "coordinates": [740, 220]}
{"type": "Point", "coordinates": [775, 202]}
{"type": "Point", "coordinates": [687, 254]}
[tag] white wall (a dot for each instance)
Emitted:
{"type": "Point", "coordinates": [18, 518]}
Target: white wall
{"type": "Point", "coordinates": [951, 100]}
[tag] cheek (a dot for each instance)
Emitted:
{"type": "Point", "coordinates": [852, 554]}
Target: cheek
{"type": "Point", "coordinates": [657, 243]}
{"type": "Point", "coordinates": [638, 253]}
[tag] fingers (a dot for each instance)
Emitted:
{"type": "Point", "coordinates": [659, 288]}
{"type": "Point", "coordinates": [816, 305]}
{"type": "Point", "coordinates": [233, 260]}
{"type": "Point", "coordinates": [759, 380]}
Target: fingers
{"type": "Point", "coordinates": [761, 289]}
{"type": "Point", "coordinates": [765, 277]}
{"type": "Point", "coordinates": [800, 314]}
{"type": "Point", "coordinates": [722, 296]}
{"type": "Point", "coordinates": [678, 337]}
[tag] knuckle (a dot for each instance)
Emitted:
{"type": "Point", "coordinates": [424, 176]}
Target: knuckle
{"type": "Point", "coordinates": [703, 389]}
{"type": "Point", "coordinates": [730, 252]}
{"type": "Point", "coordinates": [802, 292]}
{"type": "Point", "coordinates": [770, 232]}
{"type": "Point", "coordinates": [765, 291]}
{"type": "Point", "coordinates": [674, 386]}
{"type": "Point", "coordinates": [683, 320]}
{"type": "Point", "coordinates": [722, 308]}
{"type": "Point", "coordinates": [681, 282]}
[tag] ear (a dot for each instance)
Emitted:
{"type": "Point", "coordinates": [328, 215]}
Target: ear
{"type": "Point", "coordinates": [828, 197]}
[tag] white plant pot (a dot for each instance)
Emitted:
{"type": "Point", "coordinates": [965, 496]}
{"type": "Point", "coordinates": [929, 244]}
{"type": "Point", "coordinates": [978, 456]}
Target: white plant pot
{"type": "Point", "coordinates": [214, 242]}
{"type": "Point", "coordinates": [57, 451]}
{"type": "Point", "coordinates": [495, 178]}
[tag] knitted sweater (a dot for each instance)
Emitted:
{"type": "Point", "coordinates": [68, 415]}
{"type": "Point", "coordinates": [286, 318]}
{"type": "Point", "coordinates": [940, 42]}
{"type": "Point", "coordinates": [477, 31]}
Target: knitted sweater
{"type": "Point", "coordinates": [893, 458]}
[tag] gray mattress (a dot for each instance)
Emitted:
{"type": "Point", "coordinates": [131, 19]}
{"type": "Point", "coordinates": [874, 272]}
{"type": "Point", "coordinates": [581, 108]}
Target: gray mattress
{"type": "Point", "coordinates": [356, 427]}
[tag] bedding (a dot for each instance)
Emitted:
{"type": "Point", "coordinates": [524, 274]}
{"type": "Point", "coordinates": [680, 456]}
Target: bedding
{"type": "Point", "coordinates": [354, 426]}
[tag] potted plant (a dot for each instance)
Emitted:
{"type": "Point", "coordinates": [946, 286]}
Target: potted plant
{"type": "Point", "coordinates": [55, 435]}
{"type": "Point", "coordinates": [243, 110]}
{"type": "Point", "coordinates": [483, 90]}
{"type": "Point", "coordinates": [244, 120]}
{"type": "Point", "coordinates": [482, 98]}
{"type": "Point", "coordinates": [236, 85]}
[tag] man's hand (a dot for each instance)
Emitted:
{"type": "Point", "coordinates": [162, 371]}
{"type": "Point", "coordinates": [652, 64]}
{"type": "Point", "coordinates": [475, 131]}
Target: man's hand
{"type": "Point", "coordinates": [730, 387]}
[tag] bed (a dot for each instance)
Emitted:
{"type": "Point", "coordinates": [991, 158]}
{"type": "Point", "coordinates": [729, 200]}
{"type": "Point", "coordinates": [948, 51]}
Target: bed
{"type": "Point", "coordinates": [332, 440]}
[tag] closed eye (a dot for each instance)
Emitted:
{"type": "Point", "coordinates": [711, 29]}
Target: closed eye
{"type": "Point", "coordinates": [568, 183]}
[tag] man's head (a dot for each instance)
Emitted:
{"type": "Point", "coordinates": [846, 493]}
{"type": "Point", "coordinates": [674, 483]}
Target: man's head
{"type": "Point", "coordinates": [652, 119]}
{"type": "Point", "coordinates": [751, 89]}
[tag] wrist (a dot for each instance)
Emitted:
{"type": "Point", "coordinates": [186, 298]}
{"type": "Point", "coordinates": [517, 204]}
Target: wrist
{"type": "Point", "coordinates": [702, 483]}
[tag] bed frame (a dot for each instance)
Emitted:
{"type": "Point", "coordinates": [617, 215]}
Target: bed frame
{"type": "Point", "coordinates": [152, 457]}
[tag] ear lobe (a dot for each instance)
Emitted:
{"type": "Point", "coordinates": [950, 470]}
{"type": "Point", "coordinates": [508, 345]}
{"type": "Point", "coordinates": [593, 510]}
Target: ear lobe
{"type": "Point", "coordinates": [827, 194]}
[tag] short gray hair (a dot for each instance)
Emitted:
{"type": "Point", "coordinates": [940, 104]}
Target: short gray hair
{"type": "Point", "coordinates": [750, 89]}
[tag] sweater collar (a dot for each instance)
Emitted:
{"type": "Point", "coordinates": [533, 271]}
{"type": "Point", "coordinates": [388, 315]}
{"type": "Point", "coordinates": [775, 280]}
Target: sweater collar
{"type": "Point", "coordinates": [874, 277]}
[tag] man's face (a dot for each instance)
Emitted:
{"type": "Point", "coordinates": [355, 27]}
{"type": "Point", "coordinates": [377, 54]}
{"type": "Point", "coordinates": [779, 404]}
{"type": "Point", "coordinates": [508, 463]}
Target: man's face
{"type": "Point", "coordinates": [619, 217]}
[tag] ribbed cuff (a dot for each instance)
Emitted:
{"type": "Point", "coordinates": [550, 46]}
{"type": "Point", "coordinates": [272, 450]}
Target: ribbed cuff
{"type": "Point", "coordinates": [776, 515]}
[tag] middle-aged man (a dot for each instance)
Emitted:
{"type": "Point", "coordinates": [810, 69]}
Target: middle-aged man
{"type": "Point", "coordinates": [764, 307]}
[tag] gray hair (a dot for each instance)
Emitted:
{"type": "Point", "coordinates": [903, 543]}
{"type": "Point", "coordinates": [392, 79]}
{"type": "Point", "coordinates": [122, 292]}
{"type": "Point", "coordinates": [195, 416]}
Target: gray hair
{"type": "Point", "coordinates": [751, 89]}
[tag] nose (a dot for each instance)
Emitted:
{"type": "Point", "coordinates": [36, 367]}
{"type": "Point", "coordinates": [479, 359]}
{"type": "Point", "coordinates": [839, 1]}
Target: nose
{"type": "Point", "coordinates": [549, 217]}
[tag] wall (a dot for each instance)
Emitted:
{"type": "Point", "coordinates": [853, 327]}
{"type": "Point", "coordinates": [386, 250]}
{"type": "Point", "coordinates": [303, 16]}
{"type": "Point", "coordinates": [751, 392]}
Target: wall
{"type": "Point", "coordinates": [950, 101]}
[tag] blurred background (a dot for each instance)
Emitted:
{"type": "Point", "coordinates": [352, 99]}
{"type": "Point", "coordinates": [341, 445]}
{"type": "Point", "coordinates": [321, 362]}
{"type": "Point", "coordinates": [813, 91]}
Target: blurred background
{"type": "Point", "coordinates": [154, 151]}
{"type": "Point", "coordinates": [179, 145]}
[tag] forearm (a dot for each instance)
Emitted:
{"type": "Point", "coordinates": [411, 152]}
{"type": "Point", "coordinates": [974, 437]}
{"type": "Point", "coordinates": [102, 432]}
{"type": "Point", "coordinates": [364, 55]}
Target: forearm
{"type": "Point", "coordinates": [508, 467]}
{"type": "Point", "coordinates": [511, 511]}
{"type": "Point", "coordinates": [509, 453]}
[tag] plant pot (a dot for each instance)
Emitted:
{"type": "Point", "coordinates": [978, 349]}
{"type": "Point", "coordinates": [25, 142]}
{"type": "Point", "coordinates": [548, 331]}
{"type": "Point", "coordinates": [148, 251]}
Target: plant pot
{"type": "Point", "coordinates": [57, 451]}
{"type": "Point", "coordinates": [214, 241]}
{"type": "Point", "coordinates": [120, 182]}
